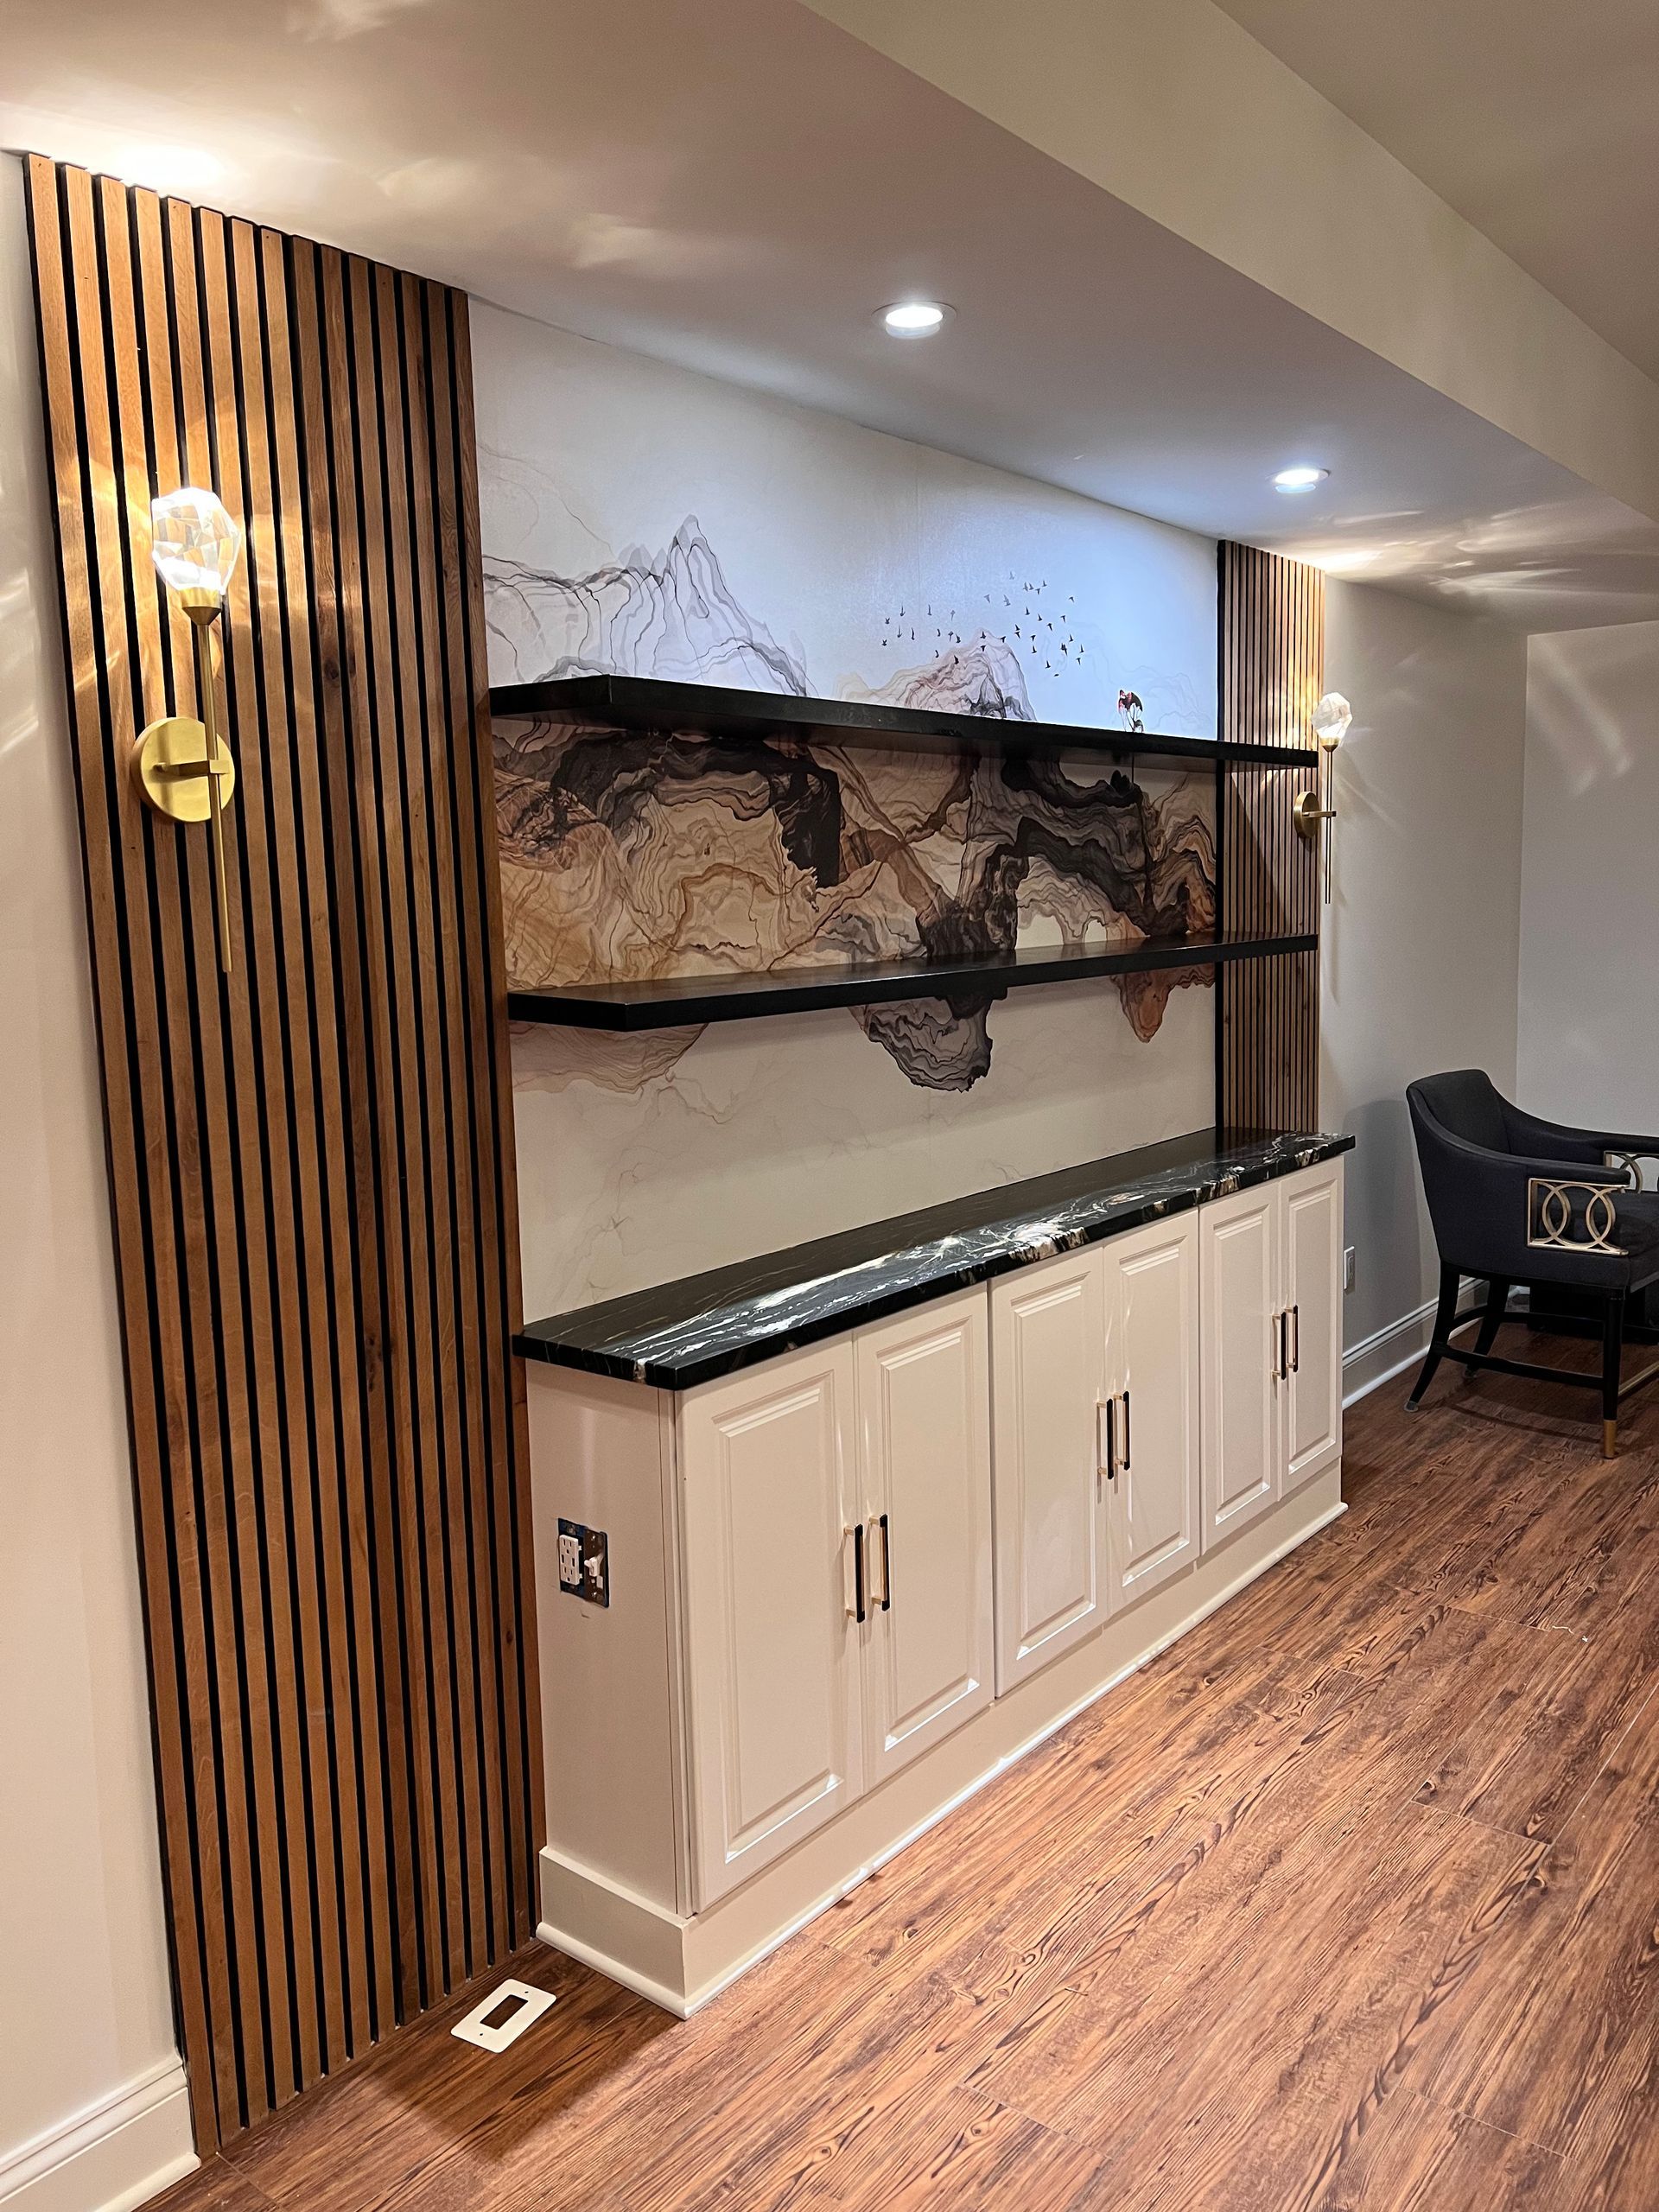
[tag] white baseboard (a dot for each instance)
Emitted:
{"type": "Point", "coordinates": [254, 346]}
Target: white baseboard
{"type": "Point", "coordinates": [110, 2157]}
{"type": "Point", "coordinates": [1378, 1359]}
{"type": "Point", "coordinates": [681, 1963]}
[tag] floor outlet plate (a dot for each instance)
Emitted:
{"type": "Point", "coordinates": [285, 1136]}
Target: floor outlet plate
{"type": "Point", "coordinates": [509, 2009]}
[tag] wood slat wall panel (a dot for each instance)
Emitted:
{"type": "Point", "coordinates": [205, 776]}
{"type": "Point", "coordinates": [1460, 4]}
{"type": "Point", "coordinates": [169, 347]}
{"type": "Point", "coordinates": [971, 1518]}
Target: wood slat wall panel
{"type": "Point", "coordinates": [310, 1161]}
{"type": "Point", "coordinates": [1272, 674]}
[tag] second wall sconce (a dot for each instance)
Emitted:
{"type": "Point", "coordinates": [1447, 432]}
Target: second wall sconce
{"type": "Point", "coordinates": [1315, 811]}
{"type": "Point", "coordinates": [184, 766]}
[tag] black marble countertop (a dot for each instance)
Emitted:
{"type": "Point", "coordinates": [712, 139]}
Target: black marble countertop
{"type": "Point", "coordinates": [710, 1324]}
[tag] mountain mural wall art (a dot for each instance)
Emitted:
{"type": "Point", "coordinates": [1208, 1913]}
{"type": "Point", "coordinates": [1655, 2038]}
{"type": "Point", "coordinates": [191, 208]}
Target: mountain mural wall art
{"type": "Point", "coordinates": [644, 857]}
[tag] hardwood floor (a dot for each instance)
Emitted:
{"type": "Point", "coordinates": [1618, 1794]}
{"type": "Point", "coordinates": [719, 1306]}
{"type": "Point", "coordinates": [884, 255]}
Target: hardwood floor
{"type": "Point", "coordinates": [1350, 1903]}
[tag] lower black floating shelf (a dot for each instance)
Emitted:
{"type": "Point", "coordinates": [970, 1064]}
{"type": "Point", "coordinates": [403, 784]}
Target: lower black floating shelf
{"type": "Point", "coordinates": [678, 1002]}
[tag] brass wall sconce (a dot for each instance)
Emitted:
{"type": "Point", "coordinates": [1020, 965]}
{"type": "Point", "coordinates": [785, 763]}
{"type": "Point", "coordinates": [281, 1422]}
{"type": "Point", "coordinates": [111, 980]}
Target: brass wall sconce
{"type": "Point", "coordinates": [1315, 811]}
{"type": "Point", "coordinates": [184, 767]}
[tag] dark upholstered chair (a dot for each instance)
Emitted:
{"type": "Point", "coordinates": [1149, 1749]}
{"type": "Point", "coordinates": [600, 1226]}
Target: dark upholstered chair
{"type": "Point", "coordinates": [1517, 1200]}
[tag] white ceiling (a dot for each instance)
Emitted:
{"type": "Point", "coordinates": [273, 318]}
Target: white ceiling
{"type": "Point", "coordinates": [1538, 120]}
{"type": "Point", "coordinates": [736, 187]}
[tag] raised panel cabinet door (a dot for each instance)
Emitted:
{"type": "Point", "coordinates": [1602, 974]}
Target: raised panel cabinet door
{"type": "Point", "coordinates": [771, 1655]}
{"type": "Point", "coordinates": [1048, 1378]}
{"type": "Point", "coordinates": [924, 1428]}
{"type": "Point", "coordinates": [1313, 1279]}
{"type": "Point", "coordinates": [1152, 1371]}
{"type": "Point", "coordinates": [1239, 1386]}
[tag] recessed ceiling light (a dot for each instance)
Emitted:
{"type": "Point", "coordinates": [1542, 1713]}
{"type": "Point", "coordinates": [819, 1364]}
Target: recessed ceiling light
{"type": "Point", "coordinates": [913, 318]}
{"type": "Point", "coordinates": [1299, 479]}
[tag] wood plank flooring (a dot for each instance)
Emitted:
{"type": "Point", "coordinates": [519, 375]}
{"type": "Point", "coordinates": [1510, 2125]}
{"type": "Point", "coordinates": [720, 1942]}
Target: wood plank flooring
{"type": "Point", "coordinates": [1348, 1903]}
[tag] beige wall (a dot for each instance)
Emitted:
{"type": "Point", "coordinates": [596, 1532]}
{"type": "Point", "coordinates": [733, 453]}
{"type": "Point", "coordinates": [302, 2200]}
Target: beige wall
{"type": "Point", "coordinates": [1589, 1040]}
{"type": "Point", "coordinates": [92, 2097]}
{"type": "Point", "coordinates": [1422, 944]}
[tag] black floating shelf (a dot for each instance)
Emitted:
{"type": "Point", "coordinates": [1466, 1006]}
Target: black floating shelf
{"type": "Point", "coordinates": [680, 1000]}
{"type": "Point", "coordinates": [646, 702]}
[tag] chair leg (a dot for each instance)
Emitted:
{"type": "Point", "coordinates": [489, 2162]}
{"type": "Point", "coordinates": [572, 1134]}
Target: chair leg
{"type": "Point", "coordinates": [1612, 1350]}
{"type": "Point", "coordinates": [1497, 1303]}
{"type": "Point", "coordinates": [1446, 1314]}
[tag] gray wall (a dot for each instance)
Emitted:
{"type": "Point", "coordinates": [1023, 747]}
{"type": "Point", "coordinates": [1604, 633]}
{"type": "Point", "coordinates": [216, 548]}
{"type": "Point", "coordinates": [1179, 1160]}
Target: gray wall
{"type": "Point", "coordinates": [1589, 1034]}
{"type": "Point", "coordinates": [1422, 945]}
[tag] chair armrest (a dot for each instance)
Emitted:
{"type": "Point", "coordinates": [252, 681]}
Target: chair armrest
{"type": "Point", "coordinates": [1631, 1148]}
{"type": "Point", "coordinates": [1484, 1214]}
{"type": "Point", "coordinates": [1559, 1140]}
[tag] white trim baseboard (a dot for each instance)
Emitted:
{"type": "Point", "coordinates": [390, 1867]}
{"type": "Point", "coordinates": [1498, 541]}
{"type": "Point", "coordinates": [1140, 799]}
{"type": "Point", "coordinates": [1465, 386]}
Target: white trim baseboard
{"type": "Point", "coordinates": [110, 2156]}
{"type": "Point", "coordinates": [1376, 1359]}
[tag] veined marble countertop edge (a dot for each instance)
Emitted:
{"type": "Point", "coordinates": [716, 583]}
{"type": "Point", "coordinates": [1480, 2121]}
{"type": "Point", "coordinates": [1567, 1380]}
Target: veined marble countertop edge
{"type": "Point", "coordinates": [682, 1350]}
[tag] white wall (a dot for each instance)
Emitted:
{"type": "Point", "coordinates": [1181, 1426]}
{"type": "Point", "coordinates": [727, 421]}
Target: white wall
{"type": "Point", "coordinates": [1422, 942]}
{"type": "Point", "coordinates": [1589, 1038]}
{"type": "Point", "coordinates": [92, 2090]}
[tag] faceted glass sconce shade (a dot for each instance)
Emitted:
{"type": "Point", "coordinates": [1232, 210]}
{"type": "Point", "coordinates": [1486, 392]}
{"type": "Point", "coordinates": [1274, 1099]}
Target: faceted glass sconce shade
{"type": "Point", "coordinates": [193, 542]}
{"type": "Point", "coordinates": [1330, 720]}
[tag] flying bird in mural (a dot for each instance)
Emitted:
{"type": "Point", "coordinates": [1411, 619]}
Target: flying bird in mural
{"type": "Point", "coordinates": [1133, 714]}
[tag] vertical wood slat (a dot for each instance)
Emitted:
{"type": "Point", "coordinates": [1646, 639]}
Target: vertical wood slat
{"type": "Point", "coordinates": [340, 1295]}
{"type": "Point", "coordinates": [310, 1161]}
{"type": "Point", "coordinates": [381, 1712]}
{"type": "Point", "coordinates": [1271, 659]}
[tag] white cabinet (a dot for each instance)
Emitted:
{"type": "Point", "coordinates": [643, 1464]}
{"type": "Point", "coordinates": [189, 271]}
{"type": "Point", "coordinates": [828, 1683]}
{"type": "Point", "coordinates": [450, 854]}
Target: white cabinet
{"type": "Point", "coordinates": [826, 1569]}
{"type": "Point", "coordinates": [1239, 1309]}
{"type": "Point", "coordinates": [924, 1416]}
{"type": "Point", "coordinates": [1312, 1296]}
{"type": "Point", "coordinates": [767, 1500]}
{"type": "Point", "coordinates": [1270, 1276]}
{"type": "Point", "coordinates": [1151, 1305]}
{"type": "Point", "coordinates": [1095, 1400]}
{"type": "Point", "coordinates": [835, 1522]}
{"type": "Point", "coordinates": [1048, 1388]}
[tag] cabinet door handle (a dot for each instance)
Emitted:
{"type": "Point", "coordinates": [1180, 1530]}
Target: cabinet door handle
{"type": "Point", "coordinates": [1275, 1349]}
{"type": "Point", "coordinates": [858, 1572]}
{"type": "Point", "coordinates": [1106, 1438]}
{"type": "Point", "coordinates": [887, 1566]}
{"type": "Point", "coordinates": [1296, 1339]}
{"type": "Point", "coordinates": [1126, 1432]}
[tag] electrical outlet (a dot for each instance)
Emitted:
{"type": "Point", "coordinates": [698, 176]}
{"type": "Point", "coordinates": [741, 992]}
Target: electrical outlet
{"type": "Point", "coordinates": [585, 1562]}
{"type": "Point", "coordinates": [1348, 1267]}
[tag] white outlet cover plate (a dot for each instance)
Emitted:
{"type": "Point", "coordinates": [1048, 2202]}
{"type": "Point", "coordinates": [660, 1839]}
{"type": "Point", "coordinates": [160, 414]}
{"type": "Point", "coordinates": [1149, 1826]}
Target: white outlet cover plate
{"type": "Point", "coordinates": [532, 2003]}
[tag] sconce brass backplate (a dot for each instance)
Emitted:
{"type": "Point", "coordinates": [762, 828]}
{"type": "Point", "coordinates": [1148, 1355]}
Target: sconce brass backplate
{"type": "Point", "coordinates": [170, 760]}
{"type": "Point", "coordinates": [1308, 813]}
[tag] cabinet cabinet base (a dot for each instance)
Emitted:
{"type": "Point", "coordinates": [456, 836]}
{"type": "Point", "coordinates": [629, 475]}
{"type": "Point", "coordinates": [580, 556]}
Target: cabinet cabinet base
{"type": "Point", "coordinates": [680, 1964]}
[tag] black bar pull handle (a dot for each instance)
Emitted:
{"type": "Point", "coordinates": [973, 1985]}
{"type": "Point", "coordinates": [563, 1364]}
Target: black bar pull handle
{"type": "Point", "coordinates": [1106, 1439]}
{"type": "Point", "coordinates": [1296, 1340]}
{"type": "Point", "coordinates": [859, 1611]}
{"type": "Point", "coordinates": [887, 1566]}
{"type": "Point", "coordinates": [1126, 1432]}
